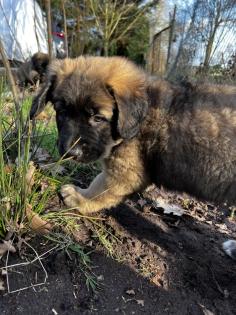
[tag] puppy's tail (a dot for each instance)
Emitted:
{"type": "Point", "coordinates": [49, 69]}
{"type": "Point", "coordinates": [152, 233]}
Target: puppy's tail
{"type": "Point", "coordinates": [230, 248]}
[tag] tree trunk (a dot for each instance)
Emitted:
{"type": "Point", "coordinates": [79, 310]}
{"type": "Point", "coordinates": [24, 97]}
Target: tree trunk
{"type": "Point", "coordinates": [49, 28]}
{"type": "Point", "coordinates": [106, 48]}
{"type": "Point", "coordinates": [65, 26]}
{"type": "Point", "coordinates": [209, 48]}
{"type": "Point", "coordinates": [171, 33]}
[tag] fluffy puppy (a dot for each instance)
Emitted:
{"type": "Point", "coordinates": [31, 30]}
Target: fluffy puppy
{"type": "Point", "coordinates": [143, 131]}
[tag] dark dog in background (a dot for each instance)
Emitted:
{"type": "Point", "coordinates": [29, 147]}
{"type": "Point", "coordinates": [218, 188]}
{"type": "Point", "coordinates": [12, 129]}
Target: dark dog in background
{"type": "Point", "coordinates": [33, 70]}
{"type": "Point", "coordinates": [143, 131]}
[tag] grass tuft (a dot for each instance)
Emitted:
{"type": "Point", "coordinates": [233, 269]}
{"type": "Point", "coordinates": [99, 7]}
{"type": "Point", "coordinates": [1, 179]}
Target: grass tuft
{"type": "Point", "coordinates": [27, 191]}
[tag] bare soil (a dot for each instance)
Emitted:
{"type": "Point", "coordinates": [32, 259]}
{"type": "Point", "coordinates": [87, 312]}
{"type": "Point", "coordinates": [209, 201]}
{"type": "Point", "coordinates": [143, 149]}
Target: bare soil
{"type": "Point", "coordinates": [163, 264]}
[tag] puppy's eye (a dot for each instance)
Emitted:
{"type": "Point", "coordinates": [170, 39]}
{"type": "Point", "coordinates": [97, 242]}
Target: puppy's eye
{"type": "Point", "coordinates": [99, 118]}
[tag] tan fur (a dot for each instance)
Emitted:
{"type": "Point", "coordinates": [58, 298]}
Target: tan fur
{"type": "Point", "coordinates": [116, 72]}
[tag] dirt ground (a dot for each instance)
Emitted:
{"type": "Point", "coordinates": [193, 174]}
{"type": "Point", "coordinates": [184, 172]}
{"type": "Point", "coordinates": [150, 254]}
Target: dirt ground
{"type": "Point", "coordinates": [165, 264]}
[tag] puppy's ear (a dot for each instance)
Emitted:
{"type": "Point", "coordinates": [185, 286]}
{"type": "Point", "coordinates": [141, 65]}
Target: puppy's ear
{"type": "Point", "coordinates": [44, 96]}
{"type": "Point", "coordinates": [132, 108]}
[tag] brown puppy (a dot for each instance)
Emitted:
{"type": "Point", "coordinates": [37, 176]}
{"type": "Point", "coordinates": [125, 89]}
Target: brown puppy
{"type": "Point", "coordinates": [143, 131]}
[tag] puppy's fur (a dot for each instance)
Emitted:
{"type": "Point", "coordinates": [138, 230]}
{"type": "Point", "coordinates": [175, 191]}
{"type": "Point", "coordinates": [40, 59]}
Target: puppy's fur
{"type": "Point", "coordinates": [143, 131]}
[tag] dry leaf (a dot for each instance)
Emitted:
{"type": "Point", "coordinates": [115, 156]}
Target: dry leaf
{"type": "Point", "coordinates": [168, 208]}
{"type": "Point", "coordinates": [140, 302]}
{"type": "Point", "coordinates": [130, 292]}
{"type": "Point", "coordinates": [230, 248]}
{"type": "Point", "coordinates": [8, 168]}
{"type": "Point", "coordinates": [2, 288]}
{"type": "Point", "coordinates": [5, 247]}
{"type": "Point", "coordinates": [42, 116]}
{"type": "Point", "coordinates": [36, 223]}
{"type": "Point", "coordinates": [29, 177]}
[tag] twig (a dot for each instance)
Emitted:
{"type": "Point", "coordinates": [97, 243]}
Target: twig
{"type": "Point", "coordinates": [37, 258]}
{"type": "Point", "coordinates": [29, 262]}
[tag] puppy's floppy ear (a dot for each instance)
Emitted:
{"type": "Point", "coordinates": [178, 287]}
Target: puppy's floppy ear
{"type": "Point", "coordinates": [44, 96]}
{"type": "Point", "coordinates": [132, 108]}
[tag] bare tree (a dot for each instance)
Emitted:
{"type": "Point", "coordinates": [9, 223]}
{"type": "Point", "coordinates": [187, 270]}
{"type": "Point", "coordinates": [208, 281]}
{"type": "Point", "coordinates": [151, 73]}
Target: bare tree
{"type": "Point", "coordinates": [114, 19]}
{"type": "Point", "coordinates": [188, 38]}
{"type": "Point", "coordinates": [214, 17]}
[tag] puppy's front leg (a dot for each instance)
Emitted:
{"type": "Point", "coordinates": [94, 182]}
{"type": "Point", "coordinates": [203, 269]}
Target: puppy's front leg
{"type": "Point", "coordinates": [99, 195]}
{"type": "Point", "coordinates": [104, 192]}
{"type": "Point", "coordinates": [120, 178]}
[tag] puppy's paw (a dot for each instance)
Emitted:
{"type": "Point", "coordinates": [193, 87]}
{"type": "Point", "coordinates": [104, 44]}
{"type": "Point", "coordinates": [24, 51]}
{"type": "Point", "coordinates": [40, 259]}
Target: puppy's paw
{"type": "Point", "coordinates": [71, 196]}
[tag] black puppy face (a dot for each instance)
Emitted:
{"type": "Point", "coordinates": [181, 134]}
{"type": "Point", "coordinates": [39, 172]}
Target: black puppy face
{"type": "Point", "coordinates": [85, 120]}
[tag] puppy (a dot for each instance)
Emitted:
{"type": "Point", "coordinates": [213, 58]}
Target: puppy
{"type": "Point", "coordinates": [33, 70]}
{"type": "Point", "coordinates": [143, 131]}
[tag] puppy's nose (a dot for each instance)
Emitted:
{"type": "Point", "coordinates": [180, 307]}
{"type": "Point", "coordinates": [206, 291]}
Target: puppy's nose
{"type": "Point", "coordinates": [76, 152]}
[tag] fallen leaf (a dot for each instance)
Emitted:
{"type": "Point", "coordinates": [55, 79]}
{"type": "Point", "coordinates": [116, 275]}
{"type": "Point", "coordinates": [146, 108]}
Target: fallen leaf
{"type": "Point", "coordinates": [168, 208]}
{"type": "Point", "coordinates": [130, 292]}
{"type": "Point", "coordinates": [140, 302]}
{"type": "Point", "coordinates": [29, 177]}
{"type": "Point", "coordinates": [36, 223]}
{"type": "Point", "coordinates": [229, 248]}
{"type": "Point", "coordinates": [42, 116]}
{"type": "Point", "coordinates": [2, 288]}
{"type": "Point", "coordinates": [8, 168]}
{"type": "Point", "coordinates": [5, 247]}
